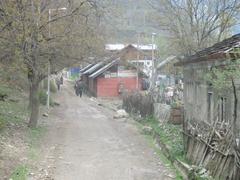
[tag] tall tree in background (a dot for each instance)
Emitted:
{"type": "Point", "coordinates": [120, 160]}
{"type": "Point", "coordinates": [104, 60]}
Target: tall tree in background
{"type": "Point", "coordinates": [39, 33]}
{"type": "Point", "coordinates": [196, 24]}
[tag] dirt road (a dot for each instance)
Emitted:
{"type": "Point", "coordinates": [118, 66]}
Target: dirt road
{"type": "Point", "coordinates": [85, 143]}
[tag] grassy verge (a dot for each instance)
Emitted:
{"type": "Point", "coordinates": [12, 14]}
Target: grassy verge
{"type": "Point", "coordinates": [171, 136]}
{"type": "Point", "coordinates": [163, 158]}
{"type": "Point", "coordinates": [20, 173]}
{"type": "Point", "coordinates": [13, 109]}
{"type": "Point", "coordinates": [74, 77]}
{"type": "Point", "coordinates": [13, 114]}
{"type": "Point", "coordinates": [34, 137]}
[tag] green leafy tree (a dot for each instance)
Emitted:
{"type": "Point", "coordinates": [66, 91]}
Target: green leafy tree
{"type": "Point", "coordinates": [39, 33]}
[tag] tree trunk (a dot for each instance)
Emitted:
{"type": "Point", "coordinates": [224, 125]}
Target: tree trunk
{"type": "Point", "coordinates": [34, 101]}
{"type": "Point", "coordinates": [235, 107]}
{"type": "Point", "coordinates": [30, 80]}
{"type": "Point", "coordinates": [30, 97]}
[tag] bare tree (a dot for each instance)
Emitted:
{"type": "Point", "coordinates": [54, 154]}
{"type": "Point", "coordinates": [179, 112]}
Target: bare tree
{"type": "Point", "coordinates": [36, 33]}
{"type": "Point", "coordinates": [196, 24]}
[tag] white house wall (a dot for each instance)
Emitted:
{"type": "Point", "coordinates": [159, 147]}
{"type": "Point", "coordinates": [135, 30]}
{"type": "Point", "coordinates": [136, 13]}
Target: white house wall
{"type": "Point", "coordinates": [146, 65]}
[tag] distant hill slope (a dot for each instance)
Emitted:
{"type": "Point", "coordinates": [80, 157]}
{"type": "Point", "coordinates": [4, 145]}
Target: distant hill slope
{"type": "Point", "coordinates": [127, 18]}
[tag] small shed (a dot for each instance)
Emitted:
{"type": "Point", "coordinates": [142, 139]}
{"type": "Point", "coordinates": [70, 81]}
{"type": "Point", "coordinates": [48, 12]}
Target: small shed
{"type": "Point", "coordinates": [114, 78]}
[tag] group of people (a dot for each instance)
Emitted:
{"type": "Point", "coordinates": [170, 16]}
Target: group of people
{"type": "Point", "coordinates": [79, 85]}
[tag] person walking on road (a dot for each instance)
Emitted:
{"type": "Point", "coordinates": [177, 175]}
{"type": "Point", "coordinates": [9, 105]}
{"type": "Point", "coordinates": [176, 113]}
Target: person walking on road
{"type": "Point", "coordinates": [58, 82]}
{"type": "Point", "coordinates": [79, 88]}
{"type": "Point", "coordinates": [61, 79]}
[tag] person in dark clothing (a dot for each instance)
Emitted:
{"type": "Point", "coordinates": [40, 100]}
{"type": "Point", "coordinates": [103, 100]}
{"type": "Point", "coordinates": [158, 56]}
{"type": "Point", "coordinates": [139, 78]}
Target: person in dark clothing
{"type": "Point", "coordinates": [79, 87]}
{"type": "Point", "coordinates": [61, 80]}
{"type": "Point", "coordinates": [58, 82]}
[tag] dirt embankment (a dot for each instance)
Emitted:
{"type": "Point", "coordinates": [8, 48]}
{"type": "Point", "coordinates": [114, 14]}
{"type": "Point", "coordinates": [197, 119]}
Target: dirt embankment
{"type": "Point", "coordinates": [13, 131]}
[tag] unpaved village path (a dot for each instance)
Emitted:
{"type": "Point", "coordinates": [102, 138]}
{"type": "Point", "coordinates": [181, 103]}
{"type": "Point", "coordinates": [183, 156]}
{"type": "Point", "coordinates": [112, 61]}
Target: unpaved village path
{"type": "Point", "coordinates": [85, 143]}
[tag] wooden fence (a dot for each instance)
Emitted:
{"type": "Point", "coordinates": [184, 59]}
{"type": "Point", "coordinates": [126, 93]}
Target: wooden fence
{"type": "Point", "coordinates": [211, 147]}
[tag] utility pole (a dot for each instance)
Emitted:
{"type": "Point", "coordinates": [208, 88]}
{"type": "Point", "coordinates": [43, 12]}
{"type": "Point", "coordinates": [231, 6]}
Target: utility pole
{"type": "Point", "coordinates": [49, 64]}
{"type": "Point", "coordinates": [153, 60]}
{"type": "Point", "coordinates": [49, 70]}
{"type": "Point", "coordinates": [138, 57]}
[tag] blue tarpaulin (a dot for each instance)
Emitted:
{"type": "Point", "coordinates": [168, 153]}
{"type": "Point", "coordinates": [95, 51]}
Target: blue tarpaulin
{"type": "Point", "coordinates": [74, 71]}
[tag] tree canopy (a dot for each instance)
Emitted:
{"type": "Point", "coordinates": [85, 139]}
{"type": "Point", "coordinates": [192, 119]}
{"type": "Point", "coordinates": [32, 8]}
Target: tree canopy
{"type": "Point", "coordinates": [35, 34]}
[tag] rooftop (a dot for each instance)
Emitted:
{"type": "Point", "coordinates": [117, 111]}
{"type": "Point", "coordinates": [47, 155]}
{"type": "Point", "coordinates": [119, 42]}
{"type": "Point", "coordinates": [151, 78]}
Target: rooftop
{"type": "Point", "coordinates": [93, 68]}
{"type": "Point", "coordinates": [215, 52]}
{"type": "Point", "coordinates": [118, 47]}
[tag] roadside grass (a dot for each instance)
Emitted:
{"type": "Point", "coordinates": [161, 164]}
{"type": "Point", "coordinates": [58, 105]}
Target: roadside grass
{"type": "Point", "coordinates": [13, 113]}
{"type": "Point", "coordinates": [43, 98]}
{"type": "Point", "coordinates": [74, 77]}
{"type": "Point", "coordinates": [170, 135]}
{"type": "Point", "coordinates": [34, 137]}
{"type": "Point", "coordinates": [163, 158]}
{"type": "Point", "coordinates": [53, 86]}
{"type": "Point", "coordinates": [13, 109]}
{"type": "Point", "coordinates": [20, 173]}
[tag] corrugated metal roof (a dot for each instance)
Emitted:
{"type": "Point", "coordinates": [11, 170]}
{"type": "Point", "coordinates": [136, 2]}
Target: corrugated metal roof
{"type": "Point", "coordinates": [86, 68]}
{"type": "Point", "coordinates": [93, 68]}
{"type": "Point", "coordinates": [217, 51]}
{"type": "Point", "coordinates": [103, 69]}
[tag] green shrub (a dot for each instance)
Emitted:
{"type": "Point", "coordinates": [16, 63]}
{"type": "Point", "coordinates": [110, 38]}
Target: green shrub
{"type": "Point", "coordinates": [2, 123]}
{"type": "Point", "coordinates": [20, 173]}
{"type": "Point", "coordinates": [43, 98]}
{"type": "Point", "coordinates": [170, 134]}
{"type": "Point", "coordinates": [74, 77]}
{"type": "Point", "coordinates": [53, 87]}
{"type": "Point", "coordinates": [4, 91]}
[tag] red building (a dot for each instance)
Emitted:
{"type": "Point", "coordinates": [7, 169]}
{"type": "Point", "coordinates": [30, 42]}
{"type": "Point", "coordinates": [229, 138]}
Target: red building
{"type": "Point", "coordinates": [114, 78]}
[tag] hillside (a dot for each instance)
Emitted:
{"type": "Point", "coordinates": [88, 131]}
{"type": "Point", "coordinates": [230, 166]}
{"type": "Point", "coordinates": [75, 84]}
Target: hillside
{"type": "Point", "coordinates": [127, 18]}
